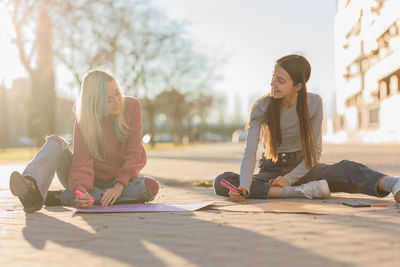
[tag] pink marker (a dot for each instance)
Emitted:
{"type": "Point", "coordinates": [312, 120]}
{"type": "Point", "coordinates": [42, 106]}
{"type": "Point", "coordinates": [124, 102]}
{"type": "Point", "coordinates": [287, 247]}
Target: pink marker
{"type": "Point", "coordinates": [228, 183]}
{"type": "Point", "coordinates": [77, 192]}
{"type": "Point", "coordinates": [229, 187]}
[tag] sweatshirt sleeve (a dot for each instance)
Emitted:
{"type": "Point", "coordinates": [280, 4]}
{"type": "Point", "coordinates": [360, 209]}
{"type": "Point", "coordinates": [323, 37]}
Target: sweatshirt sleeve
{"type": "Point", "coordinates": [134, 158]}
{"type": "Point", "coordinates": [316, 120]}
{"type": "Point", "coordinates": [81, 172]}
{"type": "Point", "coordinates": [250, 153]}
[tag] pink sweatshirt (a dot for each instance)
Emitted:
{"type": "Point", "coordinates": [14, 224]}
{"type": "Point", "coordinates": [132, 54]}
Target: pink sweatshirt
{"type": "Point", "coordinates": [124, 159]}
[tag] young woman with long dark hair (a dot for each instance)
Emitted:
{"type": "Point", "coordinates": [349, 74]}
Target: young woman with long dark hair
{"type": "Point", "coordinates": [289, 120]}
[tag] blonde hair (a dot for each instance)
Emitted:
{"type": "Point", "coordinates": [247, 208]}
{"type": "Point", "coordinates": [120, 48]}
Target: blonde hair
{"type": "Point", "coordinates": [92, 107]}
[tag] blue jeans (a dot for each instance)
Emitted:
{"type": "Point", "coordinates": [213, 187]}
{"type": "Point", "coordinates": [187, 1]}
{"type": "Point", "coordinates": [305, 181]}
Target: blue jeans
{"type": "Point", "coordinates": [344, 176]}
{"type": "Point", "coordinates": [55, 156]}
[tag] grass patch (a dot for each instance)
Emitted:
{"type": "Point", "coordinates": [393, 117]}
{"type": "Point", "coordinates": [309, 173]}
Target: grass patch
{"type": "Point", "coordinates": [18, 153]}
{"type": "Point", "coordinates": [163, 146]}
{"type": "Point", "coordinates": [27, 153]}
{"type": "Point", "coordinates": [203, 183]}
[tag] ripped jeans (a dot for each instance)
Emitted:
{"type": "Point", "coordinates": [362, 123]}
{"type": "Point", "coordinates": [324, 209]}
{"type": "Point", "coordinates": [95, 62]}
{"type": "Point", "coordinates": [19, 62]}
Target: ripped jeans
{"type": "Point", "coordinates": [55, 156]}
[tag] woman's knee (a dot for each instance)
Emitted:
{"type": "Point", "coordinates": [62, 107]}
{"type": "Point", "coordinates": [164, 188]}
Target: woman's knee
{"type": "Point", "coordinates": [217, 184]}
{"type": "Point", "coordinates": [152, 185]}
{"type": "Point", "coordinates": [350, 165]}
{"type": "Point", "coordinates": [150, 191]}
{"type": "Point", "coordinates": [55, 140]}
{"type": "Point", "coordinates": [218, 188]}
{"type": "Point", "coordinates": [140, 189]}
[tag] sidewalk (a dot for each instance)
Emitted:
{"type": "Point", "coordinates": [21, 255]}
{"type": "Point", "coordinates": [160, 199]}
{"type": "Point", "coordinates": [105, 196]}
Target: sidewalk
{"type": "Point", "coordinates": [57, 237]}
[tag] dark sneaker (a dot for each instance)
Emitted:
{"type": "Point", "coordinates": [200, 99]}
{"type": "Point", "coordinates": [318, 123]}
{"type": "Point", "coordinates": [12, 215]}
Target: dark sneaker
{"type": "Point", "coordinates": [53, 198]}
{"type": "Point", "coordinates": [25, 188]}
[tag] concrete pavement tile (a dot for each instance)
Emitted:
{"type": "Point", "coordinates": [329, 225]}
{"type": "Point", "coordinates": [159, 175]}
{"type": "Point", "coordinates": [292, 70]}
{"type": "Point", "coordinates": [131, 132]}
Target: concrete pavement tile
{"type": "Point", "coordinates": [54, 236]}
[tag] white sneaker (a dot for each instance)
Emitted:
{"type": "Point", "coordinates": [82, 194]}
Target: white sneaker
{"type": "Point", "coordinates": [315, 189]}
{"type": "Point", "coordinates": [396, 191]}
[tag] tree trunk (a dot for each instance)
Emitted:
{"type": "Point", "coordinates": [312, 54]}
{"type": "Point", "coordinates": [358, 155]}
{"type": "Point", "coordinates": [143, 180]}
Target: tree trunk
{"type": "Point", "coordinates": [152, 127]}
{"type": "Point", "coordinates": [43, 94]}
{"type": "Point", "coordinates": [178, 129]}
{"type": "Point", "coordinates": [151, 114]}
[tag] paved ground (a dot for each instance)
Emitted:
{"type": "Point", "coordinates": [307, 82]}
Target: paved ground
{"type": "Point", "coordinates": [55, 236]}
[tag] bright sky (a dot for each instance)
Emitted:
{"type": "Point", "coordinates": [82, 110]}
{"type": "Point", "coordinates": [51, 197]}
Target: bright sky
{"type": "Point", "coordinates": [10, 66]}
{"type": "Point", "coordinates": [249, 34]}
{"type": "Point", "coordinates": [252, 34]}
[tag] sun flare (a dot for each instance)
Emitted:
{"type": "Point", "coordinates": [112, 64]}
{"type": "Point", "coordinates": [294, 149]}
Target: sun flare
{"type": "Point", "coordinates": [5, 28]}
{"type": "Point", "coordinates": [10, 66]}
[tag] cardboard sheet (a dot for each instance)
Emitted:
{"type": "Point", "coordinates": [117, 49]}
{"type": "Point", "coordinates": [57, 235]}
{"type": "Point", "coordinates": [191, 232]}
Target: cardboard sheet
{"type": "Point", "coordinates": [288, 207]}
{"type": "Point", "coordinates": [146, 208]}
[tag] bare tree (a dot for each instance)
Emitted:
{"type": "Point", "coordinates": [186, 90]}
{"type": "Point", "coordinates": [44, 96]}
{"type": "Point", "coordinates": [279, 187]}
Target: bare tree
{"type": "Point", "coordinates": [174, 104]}
{"type": "Point", "coordinates": [219, 104]}
{"type": "Point", "coordinates": [160, 59]}
{"type": "Point", "coordinates": [201, 105]}
{"type": "Point", "coordinates": [90, 36]}
{"type": "Point", "coordinates": [182, 109]}
{"type": "Point", "coordinates": [40, 26]}
{"type": "Point", "coordinates": [33, 38]}
{"type": "Point", "coordinates": [147, 51]}
{"type": "Point", "coordinates": [135, 44]}
{"type": "Point", "coordinates": [150, 109]}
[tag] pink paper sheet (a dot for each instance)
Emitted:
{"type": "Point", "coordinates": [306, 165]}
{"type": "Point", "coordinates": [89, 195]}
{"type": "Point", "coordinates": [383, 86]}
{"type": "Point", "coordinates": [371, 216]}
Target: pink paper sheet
{"type": "Point", "coordinates": [146, 208]}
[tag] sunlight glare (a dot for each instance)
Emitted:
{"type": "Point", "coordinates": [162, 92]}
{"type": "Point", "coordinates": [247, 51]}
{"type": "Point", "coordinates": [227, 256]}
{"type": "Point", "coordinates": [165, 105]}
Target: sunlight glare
{"type": "Point", "coordinates": [10, 66]}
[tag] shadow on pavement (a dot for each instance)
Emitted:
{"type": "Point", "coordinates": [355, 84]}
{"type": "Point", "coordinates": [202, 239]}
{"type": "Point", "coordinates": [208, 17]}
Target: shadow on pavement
{"type": "Point", "coordinates": [159, 238]}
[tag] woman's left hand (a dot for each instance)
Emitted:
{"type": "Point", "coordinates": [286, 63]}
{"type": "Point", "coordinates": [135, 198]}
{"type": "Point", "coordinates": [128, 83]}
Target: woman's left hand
{"type": "Point", "coordinates": [112, 194]}
{"type": "Point", "coordinates": [237, 197]}
{"type": "Point", "coordinates": [280, 182]}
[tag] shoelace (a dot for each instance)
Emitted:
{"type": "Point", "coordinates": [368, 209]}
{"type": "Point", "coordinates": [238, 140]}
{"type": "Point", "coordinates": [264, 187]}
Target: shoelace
{"type": "Point", "coordinates": [301, 189]}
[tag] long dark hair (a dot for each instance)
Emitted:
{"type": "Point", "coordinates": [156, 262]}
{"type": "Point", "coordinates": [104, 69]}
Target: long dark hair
{"type": "Point", "coordinates": [299, 70]}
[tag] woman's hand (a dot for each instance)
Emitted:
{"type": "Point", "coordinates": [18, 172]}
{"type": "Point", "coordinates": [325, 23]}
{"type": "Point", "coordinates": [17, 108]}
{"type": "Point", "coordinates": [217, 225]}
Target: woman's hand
{"type": "Point", "coordinates": [236, 197]}
{"type": "Point", "coordinates": [112, 194]}
{"type": "Point", "coordinates": [280, 182]}
{"type": "Point", "coordinates": [84, 201]}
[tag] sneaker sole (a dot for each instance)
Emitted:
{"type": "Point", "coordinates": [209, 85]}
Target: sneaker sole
{"type": "Point", "coordinates": [396, 188]}
{"type": "Point", "coordinates": [397, 197]}
{"type": "Point", "coordinates": [326, 190]}
{"type": "Point", "coordinates": [18, 185]}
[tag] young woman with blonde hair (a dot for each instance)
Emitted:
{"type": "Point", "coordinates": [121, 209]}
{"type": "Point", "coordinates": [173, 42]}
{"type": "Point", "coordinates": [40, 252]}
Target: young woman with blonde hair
{"type": "Point", "coordinates": [108, 154]}
{"type": "Point", "coordinates": [289, 119]}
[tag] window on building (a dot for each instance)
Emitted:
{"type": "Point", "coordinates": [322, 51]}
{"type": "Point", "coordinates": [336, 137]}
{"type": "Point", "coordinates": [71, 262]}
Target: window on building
{"type": "Point", "coordinates": [398, 82]}
{"type": "Point", "coordinates": [374, 116]}
{"type": "Point", "coordinates": [359, 119]}
{"type": "Point", "coordinates": [394, 84]}
{"type": "Point", "coordinates": [383, 89]}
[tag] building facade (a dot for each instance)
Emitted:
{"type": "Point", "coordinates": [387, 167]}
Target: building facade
{"type": "Point", "coordinates": [367, 72]}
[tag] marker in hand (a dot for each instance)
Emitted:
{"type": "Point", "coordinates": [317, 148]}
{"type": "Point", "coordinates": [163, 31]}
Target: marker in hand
{"type": "Point", "coordinates": [231, 187]}
{"type": "Point", "coordinates": [79, 193]}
